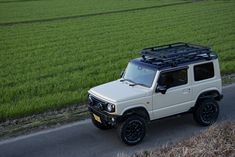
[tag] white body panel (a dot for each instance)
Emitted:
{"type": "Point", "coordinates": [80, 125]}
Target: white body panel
{"type": "Point", "coordinates": [214, 83]}
{"type": "Point", "coordinates": [117, 91]}
{"type": "Point", "coordinates": [124, 96]}
{"type": "Point", "coordinates": [176, 100]}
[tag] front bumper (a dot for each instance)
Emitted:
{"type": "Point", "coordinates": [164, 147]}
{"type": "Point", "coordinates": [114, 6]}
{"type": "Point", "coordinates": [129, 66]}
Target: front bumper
{"type": "Point", "coordinates": [105, 117]}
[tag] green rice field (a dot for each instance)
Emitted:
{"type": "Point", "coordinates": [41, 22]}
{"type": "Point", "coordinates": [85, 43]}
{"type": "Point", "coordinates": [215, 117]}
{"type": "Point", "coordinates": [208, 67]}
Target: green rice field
{"type": "Point", "coordinates": [53, 51]}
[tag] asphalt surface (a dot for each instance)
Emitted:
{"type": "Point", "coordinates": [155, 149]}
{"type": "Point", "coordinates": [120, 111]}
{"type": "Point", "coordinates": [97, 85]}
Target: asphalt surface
{"type": "Point", "coordinates": [82, 139]}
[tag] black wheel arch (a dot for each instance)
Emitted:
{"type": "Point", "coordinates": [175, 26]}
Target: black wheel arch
{"type": "Point", "coordinates": [211, 94]}
{"type": "Point", "coordinates": [139, 111]}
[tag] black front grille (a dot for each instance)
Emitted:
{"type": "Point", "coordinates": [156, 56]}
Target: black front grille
{"type": "Point", "coordinates": [97, 103]}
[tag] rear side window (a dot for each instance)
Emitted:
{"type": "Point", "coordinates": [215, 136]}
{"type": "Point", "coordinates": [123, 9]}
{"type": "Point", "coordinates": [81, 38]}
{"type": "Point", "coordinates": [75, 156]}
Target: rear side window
{"type": "Point", "coordinates": [203, 71]}
{"type": "Point", "coordinates": [173, 78]}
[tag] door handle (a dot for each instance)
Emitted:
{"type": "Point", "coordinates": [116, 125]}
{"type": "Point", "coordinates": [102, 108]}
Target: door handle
{"type": "Point", "coordinates": [186, 91]}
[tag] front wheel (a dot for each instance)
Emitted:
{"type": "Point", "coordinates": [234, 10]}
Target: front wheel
{"type": "Point", "coordinates": [132, 130]}
{"type": "Point", "coordinates": [207, 112]}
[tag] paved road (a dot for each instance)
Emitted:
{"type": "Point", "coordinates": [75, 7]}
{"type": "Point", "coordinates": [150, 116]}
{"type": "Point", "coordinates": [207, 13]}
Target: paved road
{"type": "Point", "coordinates": [83, 140]}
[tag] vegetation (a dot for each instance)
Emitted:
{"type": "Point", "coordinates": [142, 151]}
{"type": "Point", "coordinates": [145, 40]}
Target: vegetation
{"type": "Point", "coordinates": [218, 141]}
{"type": "Point", "coordinates": [25, 10]}
{"type": "Point", "coordinates": [49, 62]}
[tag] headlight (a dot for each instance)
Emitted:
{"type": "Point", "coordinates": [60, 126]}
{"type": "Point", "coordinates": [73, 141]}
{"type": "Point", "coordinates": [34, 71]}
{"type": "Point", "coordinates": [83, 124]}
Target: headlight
{"type": "Point", "coordinates": [90, 100]}
{"type": "Point", "coordinates": [111, 107]}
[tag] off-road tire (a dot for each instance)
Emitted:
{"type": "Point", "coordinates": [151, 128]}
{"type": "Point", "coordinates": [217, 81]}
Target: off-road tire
{"type": "Point", "coordinates": [132, 130]}
{"type": "Point", "coordinates": [207, 112]}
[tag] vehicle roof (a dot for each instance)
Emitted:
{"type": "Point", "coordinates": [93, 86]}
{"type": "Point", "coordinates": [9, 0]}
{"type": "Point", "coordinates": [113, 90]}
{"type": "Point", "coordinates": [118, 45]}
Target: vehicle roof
{"type": "Point", "coordinates": [174, 55]}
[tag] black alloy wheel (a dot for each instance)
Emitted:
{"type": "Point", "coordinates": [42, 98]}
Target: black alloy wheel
{"type": "Point", "coordinates": [207, 112]}
{"type": "Point", "coordinates": [132, 130]}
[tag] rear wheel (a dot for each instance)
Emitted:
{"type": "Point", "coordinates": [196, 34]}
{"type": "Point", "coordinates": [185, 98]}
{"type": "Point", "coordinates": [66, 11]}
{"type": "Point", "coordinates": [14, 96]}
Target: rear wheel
{"type": "Point", "coordinates": [102, 126]}
{"type": "Point", "coordinates": [132, 130]}
{"type": "Point", "coordinates": [207, 112]}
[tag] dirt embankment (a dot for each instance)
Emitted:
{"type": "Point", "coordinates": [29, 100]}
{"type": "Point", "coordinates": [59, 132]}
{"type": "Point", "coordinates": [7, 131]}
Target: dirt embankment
{"type": "Point", "coordinates": [216, 141]}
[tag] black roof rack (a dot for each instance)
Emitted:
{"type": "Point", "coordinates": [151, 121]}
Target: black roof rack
{"type": "Point", "coordinates": [173, 54]}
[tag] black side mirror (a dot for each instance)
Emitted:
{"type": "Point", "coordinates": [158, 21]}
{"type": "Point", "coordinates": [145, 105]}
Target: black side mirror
{"type": "Point", "coordinates": [161, 89]}
{"type": "Point", "coordinates": [122, 73]}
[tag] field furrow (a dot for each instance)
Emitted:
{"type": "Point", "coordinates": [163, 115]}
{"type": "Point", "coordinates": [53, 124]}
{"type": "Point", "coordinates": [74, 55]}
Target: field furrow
{"type": "Point", "coordinates": [52, 64]}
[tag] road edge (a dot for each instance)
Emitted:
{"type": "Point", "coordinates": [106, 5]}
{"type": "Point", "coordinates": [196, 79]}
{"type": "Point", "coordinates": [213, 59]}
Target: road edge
{"type": "Point", "coordinates": [29, 134]}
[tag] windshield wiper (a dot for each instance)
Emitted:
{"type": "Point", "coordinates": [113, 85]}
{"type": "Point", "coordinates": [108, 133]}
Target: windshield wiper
{"type": "Point", "coordinates": [141, 84]}
{"type": "Point", "coordinates": [123, 79]}
{"type": "Point", "coordinates": [132, 82]}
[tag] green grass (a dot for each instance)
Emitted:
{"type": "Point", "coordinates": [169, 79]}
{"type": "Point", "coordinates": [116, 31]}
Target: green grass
{"type": "Point", "coordinates": [24, 10]}
{"type": "Point", "coordinates": [52, 64]}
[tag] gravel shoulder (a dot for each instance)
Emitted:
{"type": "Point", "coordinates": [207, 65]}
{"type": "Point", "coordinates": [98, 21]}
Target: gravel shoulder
{"type": "Point", "coordinates": [50, 119]}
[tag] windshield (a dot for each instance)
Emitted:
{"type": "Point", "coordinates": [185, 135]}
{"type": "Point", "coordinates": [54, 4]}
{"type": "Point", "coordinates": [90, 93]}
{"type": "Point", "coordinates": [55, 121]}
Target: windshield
{"type": "Point", "coordinates": [139, 74]}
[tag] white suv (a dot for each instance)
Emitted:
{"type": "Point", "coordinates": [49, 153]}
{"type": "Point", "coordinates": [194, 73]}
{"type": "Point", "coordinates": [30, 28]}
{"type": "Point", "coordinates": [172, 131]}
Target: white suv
{"type": "Point", "coordinates": [166, 80]}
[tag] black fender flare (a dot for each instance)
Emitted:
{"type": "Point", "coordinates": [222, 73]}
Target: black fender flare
{"type": "Point", "coordinates": [211, 94]}
{"type": "Point", "coordinates": [139, 111]}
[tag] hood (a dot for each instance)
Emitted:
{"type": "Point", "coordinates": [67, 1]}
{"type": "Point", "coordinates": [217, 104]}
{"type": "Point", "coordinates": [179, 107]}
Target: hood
{"type": "Point", "coordinates": [117, 91]}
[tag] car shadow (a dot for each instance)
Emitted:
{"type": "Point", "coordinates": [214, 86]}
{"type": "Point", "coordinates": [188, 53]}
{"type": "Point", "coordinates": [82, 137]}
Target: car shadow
{"type": "Point", "coordinates": [159, 133]}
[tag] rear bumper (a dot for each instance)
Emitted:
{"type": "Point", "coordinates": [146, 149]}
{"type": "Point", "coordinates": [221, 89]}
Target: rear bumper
{"type": "Point", "coordinates": [105, 117]}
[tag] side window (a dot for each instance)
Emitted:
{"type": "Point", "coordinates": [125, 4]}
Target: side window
{"type": "Point", "coordinates": [173, 78]}
{"type": "Point", "coordinates": [203, 71]}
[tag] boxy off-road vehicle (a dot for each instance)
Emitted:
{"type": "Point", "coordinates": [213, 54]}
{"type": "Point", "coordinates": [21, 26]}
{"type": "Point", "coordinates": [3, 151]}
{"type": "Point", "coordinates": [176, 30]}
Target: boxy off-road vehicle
{"type": "Point", "coordinates": [166, 80]}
